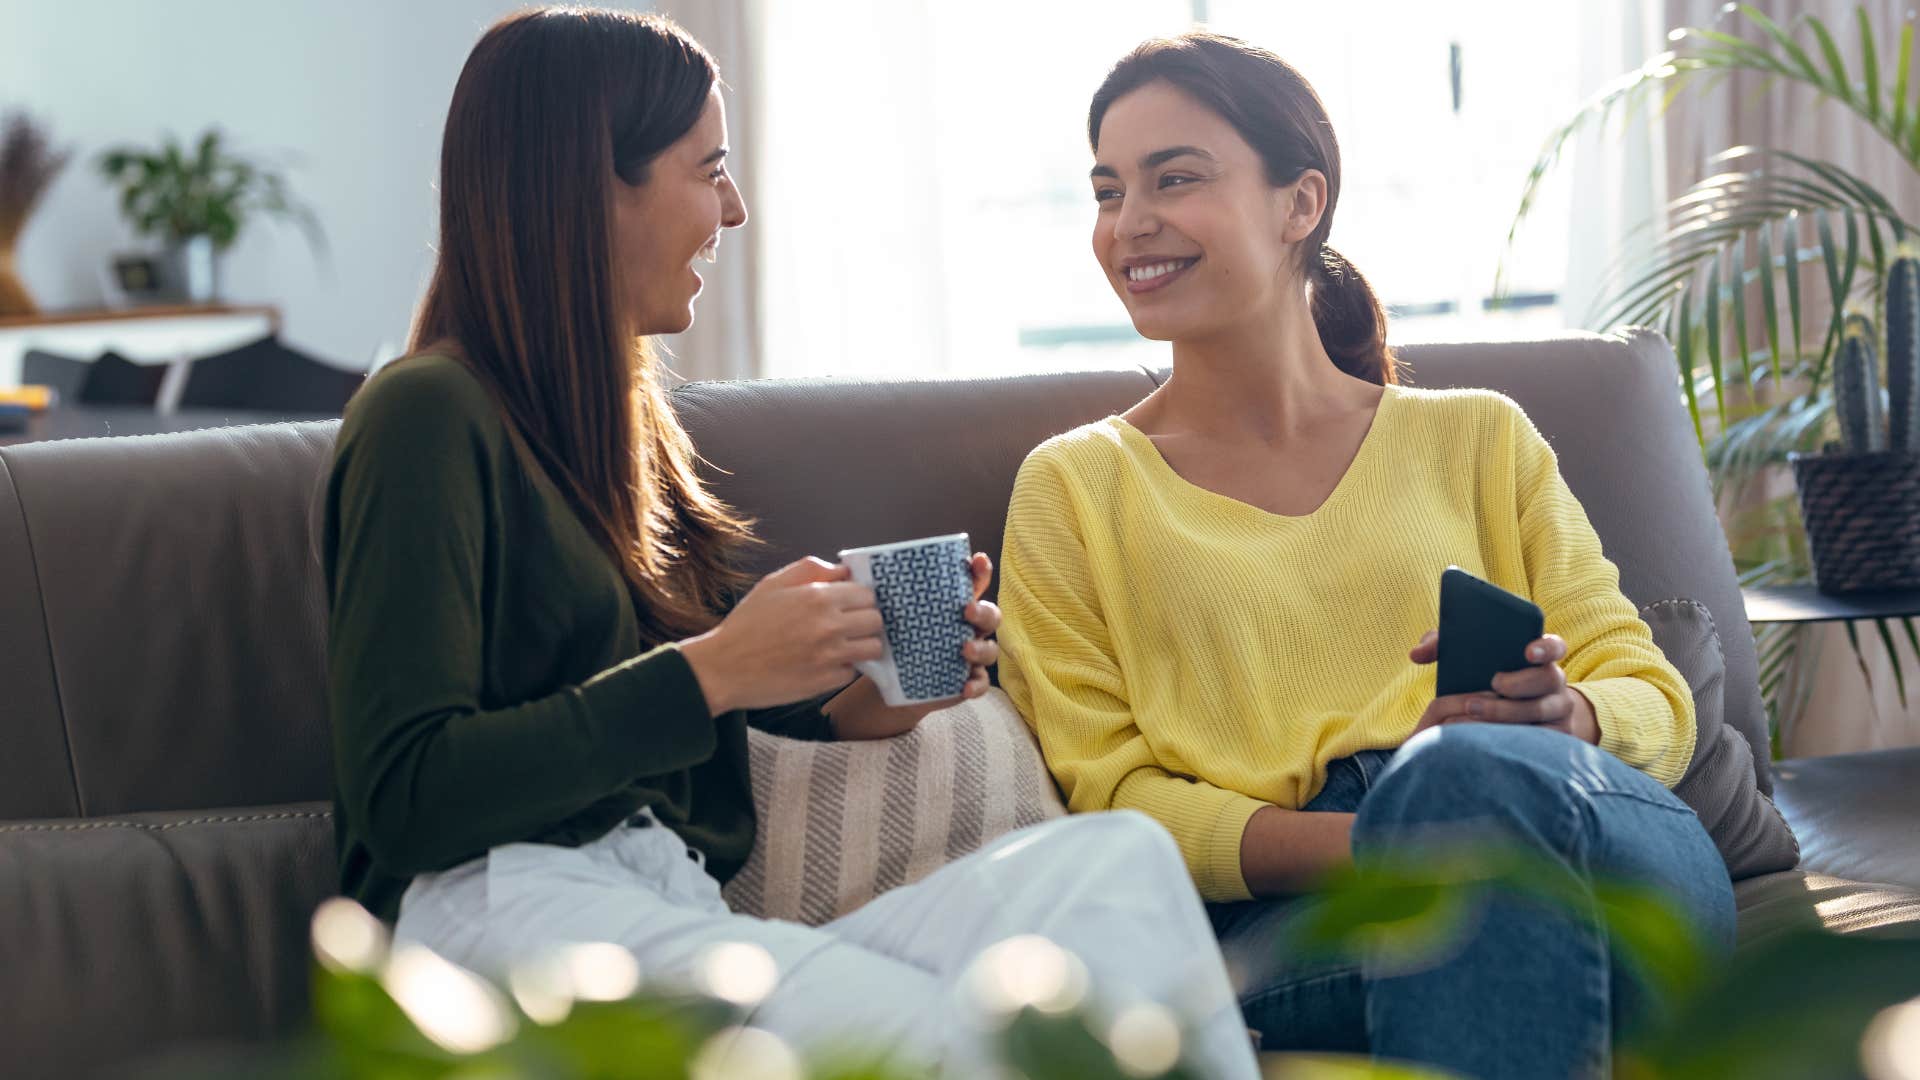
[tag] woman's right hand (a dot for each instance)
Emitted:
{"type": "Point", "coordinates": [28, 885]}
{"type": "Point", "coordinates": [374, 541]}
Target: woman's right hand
{"type": "Point", "coordinates": [796, 635]}
{"type": "Point", "coordinates": [1538, 695]}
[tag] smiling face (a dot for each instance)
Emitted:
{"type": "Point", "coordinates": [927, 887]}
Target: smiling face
{"type": "Point", "coordinates": [1192, 235]}
{"type": "Point", "coordinates": [673, 218]}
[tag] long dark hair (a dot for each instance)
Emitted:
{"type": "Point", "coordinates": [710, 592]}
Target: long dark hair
{"type": "Point", "coordinates": [1278, 114]}
{"type": "Point", "coordinates": [551, 106]}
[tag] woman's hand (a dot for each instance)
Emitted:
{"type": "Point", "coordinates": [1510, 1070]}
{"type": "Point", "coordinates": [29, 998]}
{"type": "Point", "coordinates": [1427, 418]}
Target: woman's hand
{"type": "Point", "coordinates": [861, 713]}
{"type": "Point", "coordinates": [796, 635]}
{"type": "Point", "coordinates": [984, 616]}
{"type": "Point", "coordinates": [1536, 695]}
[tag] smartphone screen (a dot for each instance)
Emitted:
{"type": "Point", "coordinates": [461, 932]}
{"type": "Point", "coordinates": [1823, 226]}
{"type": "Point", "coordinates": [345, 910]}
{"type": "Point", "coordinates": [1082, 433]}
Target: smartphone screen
{"type": "Point", "coordinates": [1484, 630]}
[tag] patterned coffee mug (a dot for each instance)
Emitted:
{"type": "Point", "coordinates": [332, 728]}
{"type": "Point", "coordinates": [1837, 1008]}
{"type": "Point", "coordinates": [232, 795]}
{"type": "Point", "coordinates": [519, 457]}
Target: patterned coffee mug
{"type": "Point", "coordinates": [923, 588]}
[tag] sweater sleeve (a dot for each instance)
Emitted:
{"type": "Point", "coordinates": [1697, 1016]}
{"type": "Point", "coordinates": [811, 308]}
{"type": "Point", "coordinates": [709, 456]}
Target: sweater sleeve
{"type": "Point", "coordinates": [1057, 664]}
{"type": "Point", "coordinates": [805, 720]}
{"type": "Point", "coordinates": [427, 775]}
{"type": "Point", "coordinates": [1644, 706]}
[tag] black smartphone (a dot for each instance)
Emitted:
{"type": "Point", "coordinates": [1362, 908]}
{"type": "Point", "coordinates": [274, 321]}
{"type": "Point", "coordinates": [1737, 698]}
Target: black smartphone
{"type": "Point", "coordinates": [1484, 630]}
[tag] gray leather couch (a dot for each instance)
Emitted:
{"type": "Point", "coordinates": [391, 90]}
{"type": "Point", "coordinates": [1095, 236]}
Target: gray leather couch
{"type": "Point", "coordinates": [164, 824]}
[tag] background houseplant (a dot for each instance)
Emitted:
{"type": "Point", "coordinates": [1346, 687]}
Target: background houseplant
{"type": "Point", "coordinates": [197, 201]}
{"type": "Point", "coordinates": [28, 164]}
{"type": "Point", "coordinates": [585, 1013]}
{"type": "Point", "coordinates": [1752, 270]}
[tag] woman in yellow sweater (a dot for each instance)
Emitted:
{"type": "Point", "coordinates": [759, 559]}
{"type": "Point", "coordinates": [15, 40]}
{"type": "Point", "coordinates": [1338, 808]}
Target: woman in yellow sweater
{"type": "Point", "coordinates": [1210, 600]}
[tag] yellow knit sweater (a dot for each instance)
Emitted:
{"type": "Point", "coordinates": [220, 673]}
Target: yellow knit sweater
{"type": "Point", "coordinates": [1185, 654]}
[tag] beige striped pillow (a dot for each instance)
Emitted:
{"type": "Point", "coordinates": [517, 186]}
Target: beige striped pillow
{"type": "Point", "coordinates": [843, 822]}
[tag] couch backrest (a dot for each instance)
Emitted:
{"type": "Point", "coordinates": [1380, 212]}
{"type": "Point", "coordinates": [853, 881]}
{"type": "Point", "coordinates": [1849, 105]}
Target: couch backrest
{"type": "Point", "coordinates": [162, 627]}
{"type": "Point", "coordinates": [162, 621]}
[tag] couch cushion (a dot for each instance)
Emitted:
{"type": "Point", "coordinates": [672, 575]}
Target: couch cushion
{"type": "Point", "coordinates": [63, 374]}
{"type": "Point", "coordinates": [126, 934]}
{"type": "Point", "coordinates": [843, 822]}
{"type": "Point", "coordinates": [115, 380]}
{"type": "Point", "coordinates": [269, 376]}
{"type": "Point", "coordinates": [1857, 815]}
{"type": "Point", "coordinates": [1752, 836]}
{"type": "Point", "coordinates": [1772, 903]}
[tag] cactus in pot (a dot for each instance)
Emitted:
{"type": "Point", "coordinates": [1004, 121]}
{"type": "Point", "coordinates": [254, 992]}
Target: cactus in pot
{"type": "Point", "coordinates": [1856, 388]}
{"type": "Point", "coordinates": [1903, 352]}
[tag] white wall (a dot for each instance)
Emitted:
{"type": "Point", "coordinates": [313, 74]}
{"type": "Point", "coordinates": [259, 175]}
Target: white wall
{"type": "Point", "coordinates": [354, 91]}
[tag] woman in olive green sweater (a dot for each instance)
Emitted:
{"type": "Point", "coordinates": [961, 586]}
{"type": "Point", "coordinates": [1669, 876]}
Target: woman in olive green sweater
{"type": "Point", "coordinates": [539, 713]}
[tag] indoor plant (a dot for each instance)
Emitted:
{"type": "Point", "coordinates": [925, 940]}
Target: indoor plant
{"type": "Point", "coordinates": [584, 1013]}
{"type": "Point", "coordinates": [196, 201]}
{"type": "Point", "coordinates": [1860, 495]}
{"type": "Point", "coordinates": [1753, 267]}
{"type": "Point", "coordinates": [28, 164]}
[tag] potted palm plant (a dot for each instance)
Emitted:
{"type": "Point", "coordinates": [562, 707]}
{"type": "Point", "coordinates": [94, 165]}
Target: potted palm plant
{"type": "Point", "coordinates": [1754, 267]}
{"type": "Point", "coordinates": [196, 201]}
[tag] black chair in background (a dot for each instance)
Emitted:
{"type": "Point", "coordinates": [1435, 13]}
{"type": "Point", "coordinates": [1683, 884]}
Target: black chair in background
{"type": "Point", "coordinates": [63, 373]}
{"type": "Point", "coordinates": [267, 376]}
{"type": "Point", "coordinates": [115, 380]}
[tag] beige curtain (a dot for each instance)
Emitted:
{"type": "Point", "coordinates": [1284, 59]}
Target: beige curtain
{"type": "Point", "coordinates": [724, 341]}
{"type": "Point", "coordinates": [1844, 711]}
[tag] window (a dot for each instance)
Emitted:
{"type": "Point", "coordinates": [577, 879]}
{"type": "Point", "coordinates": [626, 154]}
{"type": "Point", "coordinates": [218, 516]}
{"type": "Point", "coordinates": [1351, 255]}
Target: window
{"type": "Point", "coordinates": [924, 201]}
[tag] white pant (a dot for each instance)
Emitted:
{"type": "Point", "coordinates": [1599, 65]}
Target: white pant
{"type": "Point", "coordinates": [1110, 888]}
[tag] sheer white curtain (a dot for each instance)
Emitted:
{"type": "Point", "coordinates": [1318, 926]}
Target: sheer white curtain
{"type": "Point", "coordinates": [924, 205]}
{"type": "Point", "coordinates": [850, 217]}
{"type": "Point", "coordinates": [1617, 174]}
{"type": "Point", "coordinates": [725, 340]}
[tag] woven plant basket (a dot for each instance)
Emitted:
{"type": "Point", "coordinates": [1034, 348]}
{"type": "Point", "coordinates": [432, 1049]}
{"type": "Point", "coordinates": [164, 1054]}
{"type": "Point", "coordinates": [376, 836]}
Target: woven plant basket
{"type": "Point", "coordinates": [1862, 516]}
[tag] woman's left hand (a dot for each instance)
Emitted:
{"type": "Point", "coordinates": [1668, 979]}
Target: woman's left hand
{"type": "Point", "coordinates": [1537, 695]}
{"type": "Point", "coordinates": [984, 615]}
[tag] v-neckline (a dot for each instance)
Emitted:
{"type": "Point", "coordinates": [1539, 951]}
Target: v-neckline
{"type": "Point", "coordinates": [1341, 488]}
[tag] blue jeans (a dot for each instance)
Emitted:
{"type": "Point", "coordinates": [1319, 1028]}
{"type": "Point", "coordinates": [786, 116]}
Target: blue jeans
{"type": "Point", "coordinates": [1531, 991]}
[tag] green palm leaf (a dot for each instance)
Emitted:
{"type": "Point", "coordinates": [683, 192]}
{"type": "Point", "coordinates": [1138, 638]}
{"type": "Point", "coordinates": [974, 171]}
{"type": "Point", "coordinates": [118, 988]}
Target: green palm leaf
{"type": "Point", "coordinates": [1683, 348]}
{"type": "Point", "coordinates": [1769, 306]}
{"type": "Point", "coordinates": [1841, 85]}
{"type": "Point", "coordinates": [1893, 654]}
{"type": "Point", "coordinates": [1713, 337]}
{"type": "Point", "coordinates": [1739, 298]}
{"type": "Point", "coordinates": [1901, 69]}
{"type": "Point", "coordinates": [1790, 236]}
{"type": "Point", "coordinates": [1869, 63]}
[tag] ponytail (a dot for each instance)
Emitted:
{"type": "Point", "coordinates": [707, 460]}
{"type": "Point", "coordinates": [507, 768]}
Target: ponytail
{"type": "Point", "coordinates": [1351, 322]}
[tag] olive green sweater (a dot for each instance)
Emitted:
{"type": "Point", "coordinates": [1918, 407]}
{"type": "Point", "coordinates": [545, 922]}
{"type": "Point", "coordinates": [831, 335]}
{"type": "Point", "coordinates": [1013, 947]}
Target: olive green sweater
{"type": "Point", "coordinates": [486, 672]}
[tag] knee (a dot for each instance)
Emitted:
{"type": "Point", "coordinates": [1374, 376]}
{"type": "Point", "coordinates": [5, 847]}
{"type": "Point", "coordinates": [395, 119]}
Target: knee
{"type": "Point", "coordinates": [1487, 773]}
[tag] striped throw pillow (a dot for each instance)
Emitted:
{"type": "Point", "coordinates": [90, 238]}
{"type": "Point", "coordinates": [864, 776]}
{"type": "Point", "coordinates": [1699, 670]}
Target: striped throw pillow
{"type": "Point", "coordinates": [843, 822]}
